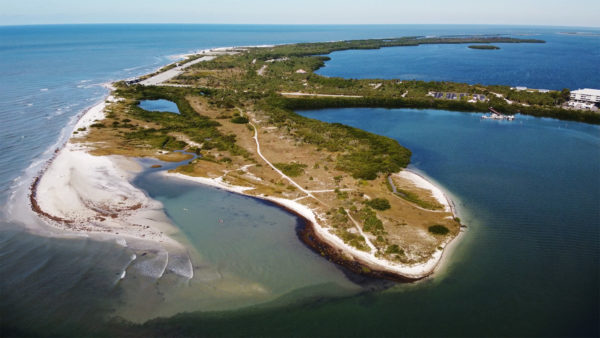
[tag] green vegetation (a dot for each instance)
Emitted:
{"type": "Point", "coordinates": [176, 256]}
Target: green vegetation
{"type": "Point", "coordinates": [240, 120]}
{"type": "Point", "coordinates": [239, 73]}
{"type": "Point", "coordinates": [414, 198]}
{"type": "Point", "coordinates": [379, 204]}
{"type": "Point", "coordinates": [394, 249]}
{"type": "Point", "coordinates": [291, 169]}
{"type": "Point", "coordinates": [196, 127]}
{"type": "Point", "coordinates": [438, 229]}
{"type": "Point", "coordinates": [354, 240]}
{"type": "Point", "coordinates": [370, 221]}
{"type": "Point", "coordinates": [364, 155]}
{"type": "Point", "coordinates": [232, 81]}
{"type": "Point", "coordinates": [305, 49]}
{"type": "Point", "coordinates": [486, 47]}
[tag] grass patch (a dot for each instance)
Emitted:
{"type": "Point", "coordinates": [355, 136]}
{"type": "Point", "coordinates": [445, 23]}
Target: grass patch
{"type": "Point", "coordinates": [291, 169]}
{"type": "Point", "coordinates": [414, 198]}
{"type": "Point", "coordinates": [370, 221]}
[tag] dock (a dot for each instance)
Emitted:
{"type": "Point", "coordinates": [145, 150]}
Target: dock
{"type": "Point", "coordinates": [496, 115]}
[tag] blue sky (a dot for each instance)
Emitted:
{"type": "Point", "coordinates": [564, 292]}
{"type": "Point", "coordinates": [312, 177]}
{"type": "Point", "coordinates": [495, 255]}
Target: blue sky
{"type": "Point", "coordinates": [511, 12]}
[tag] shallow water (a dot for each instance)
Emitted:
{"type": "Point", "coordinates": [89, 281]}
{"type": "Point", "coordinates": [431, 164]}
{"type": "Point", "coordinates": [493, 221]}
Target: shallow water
{"type": "Point", "coordinates": [528, 190]}
{"type": "Point", "coordinates": [244, 250]}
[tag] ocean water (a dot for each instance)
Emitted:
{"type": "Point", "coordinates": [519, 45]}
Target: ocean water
{"type": "Point", "coordinates": [529, 191]}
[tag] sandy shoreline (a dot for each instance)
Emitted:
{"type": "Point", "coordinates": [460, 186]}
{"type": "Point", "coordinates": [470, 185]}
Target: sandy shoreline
{"type": "Point", "coordinates": [82, 193]}
{"type": "Point", "coordinates": [337, 250]}
{"type": "Point", "coordinates": [79, 194]}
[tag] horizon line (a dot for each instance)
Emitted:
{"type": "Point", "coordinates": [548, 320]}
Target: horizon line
{"type": "Point", "coordinates": [293, 24]}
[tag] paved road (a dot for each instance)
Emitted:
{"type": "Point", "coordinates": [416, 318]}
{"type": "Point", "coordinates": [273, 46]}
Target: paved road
{"type": "Point", "coordinates": [171, 73]}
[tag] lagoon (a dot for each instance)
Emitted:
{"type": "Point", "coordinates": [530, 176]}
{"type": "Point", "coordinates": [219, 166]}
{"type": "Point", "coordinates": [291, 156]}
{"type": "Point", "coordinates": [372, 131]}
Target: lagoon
{"type": "Point", "coordinates": [160, 106]}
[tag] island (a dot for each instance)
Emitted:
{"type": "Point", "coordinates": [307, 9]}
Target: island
{"type": "Point", "coordinates": [485, 47]}
{"type": "Point", "coordinates": [228, 120]}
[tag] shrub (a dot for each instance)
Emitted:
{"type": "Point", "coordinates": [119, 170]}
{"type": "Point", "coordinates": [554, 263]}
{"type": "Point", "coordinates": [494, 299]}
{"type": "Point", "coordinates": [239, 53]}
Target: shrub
{"type": "Point", "coordinates": [438, 229]}
{"type": "Point", "coordinates": [240, 120]}
{"type": "Point", "coordinates": [394, 249]}
{"type": "Point", "coordinates": [291, 169]}
{"type": "Point", "coordinates": [371, 223]}
{"type": "Point", "coordinates": [379, 204]}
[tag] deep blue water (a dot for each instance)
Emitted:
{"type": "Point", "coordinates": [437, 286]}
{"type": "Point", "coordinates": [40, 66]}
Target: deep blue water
{"type": "Point", "coordinates": [559, 63]}
{"type": "Point", "coordinates": [159, 105]}
{"type": "Point", "coordinates": [529, 190]}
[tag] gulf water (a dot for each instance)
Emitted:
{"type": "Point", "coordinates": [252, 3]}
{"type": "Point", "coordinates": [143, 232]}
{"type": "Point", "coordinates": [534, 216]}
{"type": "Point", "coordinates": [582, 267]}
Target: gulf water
{"type": "Point", "coordinates": [529, 191]}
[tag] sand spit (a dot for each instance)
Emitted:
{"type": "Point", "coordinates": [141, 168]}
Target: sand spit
{"type": "Point", "coordinates": [346, 254]}
{"type": "Point", "coordinates": [421, 182]}
{"type": "Point", "coordinates": [88, 195]}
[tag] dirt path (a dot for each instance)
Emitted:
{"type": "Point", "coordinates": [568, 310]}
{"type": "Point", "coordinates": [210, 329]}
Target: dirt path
{"type": "Point", "coordinates": [261, 71]}
{"type": "Point", "coordinates": [277, 170]}
{"type": "Point", "coordinates": [367, 240]}
{"type": "Point", "coordinates": [319, 95]}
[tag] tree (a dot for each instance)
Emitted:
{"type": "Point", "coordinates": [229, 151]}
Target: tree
{"type": "Point", "coordinates": [379, 204]}
{"type": "Point", "coordinates": [565, 94]}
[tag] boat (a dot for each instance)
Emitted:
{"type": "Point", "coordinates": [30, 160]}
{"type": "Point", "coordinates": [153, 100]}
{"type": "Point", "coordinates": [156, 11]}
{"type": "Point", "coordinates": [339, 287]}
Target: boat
{"type": "Point", "coordinates": [496, 115]}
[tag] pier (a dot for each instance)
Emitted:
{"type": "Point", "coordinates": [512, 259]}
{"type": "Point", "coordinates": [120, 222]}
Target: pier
{"type": "Point", "coordinates": [496, 115]}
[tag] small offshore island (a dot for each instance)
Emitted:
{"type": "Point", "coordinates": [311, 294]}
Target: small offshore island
{"type": "Point", "coordinates": [236, 129]}
{"type": "Point", "coordinates": [484, 47]}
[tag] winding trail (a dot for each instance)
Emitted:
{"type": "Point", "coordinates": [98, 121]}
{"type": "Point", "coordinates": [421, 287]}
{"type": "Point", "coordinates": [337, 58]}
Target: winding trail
{"type": "Point", "coordinates": [369, 243]}
{"type": "Point", "coordinates": [308, 192]}
{"type": "Point", "coordinates": [319, 95]}
{"type": "Point", "coordinates": [277, 170]}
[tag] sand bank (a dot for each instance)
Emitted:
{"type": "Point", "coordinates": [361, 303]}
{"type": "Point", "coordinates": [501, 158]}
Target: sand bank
{"type": "Point", "coordinates": [92, 196]}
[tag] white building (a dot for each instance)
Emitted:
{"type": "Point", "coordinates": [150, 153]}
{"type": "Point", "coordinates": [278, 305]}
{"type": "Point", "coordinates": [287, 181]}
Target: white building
{"type": "Point", "coordinates": [586, 95]}
{"type": "Point", "coordinates": [581, 105]}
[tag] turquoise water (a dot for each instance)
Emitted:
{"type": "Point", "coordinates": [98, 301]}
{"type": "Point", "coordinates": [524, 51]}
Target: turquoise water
{"type": "Point", "coordinates": [159, 105]}
{"type": "Point", "coordinates": [529, 191]}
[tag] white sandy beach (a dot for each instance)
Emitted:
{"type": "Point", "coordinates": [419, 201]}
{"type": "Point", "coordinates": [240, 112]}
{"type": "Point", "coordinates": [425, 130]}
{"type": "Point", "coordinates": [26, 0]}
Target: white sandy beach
{"type": "Point", "coordinates": [92, 196]}
{"type": "Point", "coordinates": [421, 182]}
